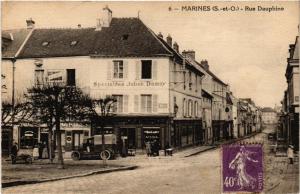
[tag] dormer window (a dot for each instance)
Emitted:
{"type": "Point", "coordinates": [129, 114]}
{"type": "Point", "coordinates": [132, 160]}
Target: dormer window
{"type": "Point", "coordinates": [45, 43]}
{"type": "Point", "coordinates": [125, 36]}
{"type": "Point", "coordinates": [74, 42]}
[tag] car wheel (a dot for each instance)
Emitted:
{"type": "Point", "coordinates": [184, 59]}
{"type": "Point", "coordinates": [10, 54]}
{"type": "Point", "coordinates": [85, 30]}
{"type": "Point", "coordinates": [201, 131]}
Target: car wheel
{"type": "Point", "coordinates": [75, 155]}
{"type": "Point", "coordinates": [106, 154]}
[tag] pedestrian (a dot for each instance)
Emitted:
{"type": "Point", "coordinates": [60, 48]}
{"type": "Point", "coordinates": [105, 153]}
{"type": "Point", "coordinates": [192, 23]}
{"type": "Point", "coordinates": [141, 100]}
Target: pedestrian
{"type": "Point", "coordinates": [35, 153]}
{"type": "Point", "coordinates": [290, 153]}
{"type": "Point", "coordinates": [45, 151]}
{"type": "Point", "coordinates": [148, 148]}
{"type": "Point", "coordinates": [156, 147]}
{"type": "Point", "coordinates": [14, 152]}
{"type": "Point", "coordinates": [167, 147]}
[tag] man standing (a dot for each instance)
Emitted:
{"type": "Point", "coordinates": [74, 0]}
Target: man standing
{"type": "Point", "coordinates": [290, 153]}
{"type": "Point", "coordinates": [14, 152]}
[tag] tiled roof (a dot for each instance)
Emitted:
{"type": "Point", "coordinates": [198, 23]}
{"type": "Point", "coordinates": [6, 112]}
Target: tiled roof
{"type": "Point", "coordinates": [127, 37]}
{"type": "Point", "coordinates": [57, 43]}
{"type": "Point", "coordinates": [124, 37]}
{"type": "Point", "coordinates": [212, 74]}
{"type": "Point", "coordinates": [15, 39]}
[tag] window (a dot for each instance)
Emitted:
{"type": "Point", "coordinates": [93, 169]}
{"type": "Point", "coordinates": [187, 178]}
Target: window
{"type": "Point", "coordinates": [39, 77]}
{"type": "Point", "coordinates": [184, 77]}
{"type": "Point", "coordinates": [196, 109]}
{"type": "Point", "coordinates": [146, 69]}
{"type": "Point", "coordinates": [190, 108]}
{"type": "Point", "coordinates": [118, 69]}
{"type": "Point", "coordinates": [184, 107]}
{"type": "Point", "coordinates": [71, 77]}
{"type": "Point", "coordinates": [118, 105]}
{"type": "Point", "coordinates": [146, 103]}
{"type": "Point", "coordinates": [190, 80]}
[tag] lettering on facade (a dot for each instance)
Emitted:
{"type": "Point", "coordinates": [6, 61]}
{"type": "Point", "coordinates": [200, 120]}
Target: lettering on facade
{"type": "Point", "coordinates": [130, 84]}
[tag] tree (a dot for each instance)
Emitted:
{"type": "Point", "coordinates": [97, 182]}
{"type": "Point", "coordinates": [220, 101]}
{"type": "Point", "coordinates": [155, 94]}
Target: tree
{"type": "Point", "coordinates": [101, 113]}
{"type": "Point", "coordinates": [55, 103]}
{"type": "Point", "coordinates": [20, 112]}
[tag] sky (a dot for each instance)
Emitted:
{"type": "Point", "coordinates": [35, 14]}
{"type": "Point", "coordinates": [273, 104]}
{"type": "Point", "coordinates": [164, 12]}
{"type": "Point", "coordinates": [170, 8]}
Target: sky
{"type": "Point", "coordinates": [246, 49]}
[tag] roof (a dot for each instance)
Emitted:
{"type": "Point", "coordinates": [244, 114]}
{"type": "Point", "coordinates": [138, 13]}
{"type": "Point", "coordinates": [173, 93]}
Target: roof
{"type": "Point", "coordinates": [180, 58]}
{"type": "Point", "coordinates": [206, 94]}
{"type": "Point", "coordinates": [267, 109]}
{"type": "Point", "coordinates": [140, 40]}
{"type": "Point", "coordinates": [59, 43]}
{"type": "Point", "coordinates": [212, 74]}
{"type": "Point", "coordinates": [14, 40]}
{"type": "Point", "coordinates": [124, 37]}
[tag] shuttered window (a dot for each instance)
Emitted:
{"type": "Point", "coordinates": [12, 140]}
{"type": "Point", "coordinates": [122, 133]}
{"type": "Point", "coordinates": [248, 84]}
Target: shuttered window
{"type": "Point", "coordinates": [118, 69]}
{"type": "Point", "coordinates": [118, 105]}
{"type": "Point", "coordinates": [146, 103]}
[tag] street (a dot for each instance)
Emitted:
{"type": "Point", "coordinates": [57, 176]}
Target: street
{"type": "Point", "coordinates": [197, 174]}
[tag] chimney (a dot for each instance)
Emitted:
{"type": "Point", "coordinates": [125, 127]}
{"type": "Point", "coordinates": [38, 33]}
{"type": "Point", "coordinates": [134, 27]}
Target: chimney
{"type": "Point", "coordinates": [105, 18]}
{"type": "Point", "coordinates": [160, 35]}
{"type": "Point", "coordinates": [204, 63]}
{"type": "Point", "coordinates": [169, 40]}
{"type": "Point", "coordinates": [30, 23]}
{"type": "Point", "coordinates": [176, 47]}
{"type": "Point", "coordinates": [189, 53]}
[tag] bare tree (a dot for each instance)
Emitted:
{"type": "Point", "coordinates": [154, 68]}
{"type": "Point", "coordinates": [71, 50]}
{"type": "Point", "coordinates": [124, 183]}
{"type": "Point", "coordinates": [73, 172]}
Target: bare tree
{"type": "Point", "coordinates": [56, 103]}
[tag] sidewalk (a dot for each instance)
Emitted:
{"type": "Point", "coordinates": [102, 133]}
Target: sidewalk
{"type": "Point", "coordinates": [44, 171]}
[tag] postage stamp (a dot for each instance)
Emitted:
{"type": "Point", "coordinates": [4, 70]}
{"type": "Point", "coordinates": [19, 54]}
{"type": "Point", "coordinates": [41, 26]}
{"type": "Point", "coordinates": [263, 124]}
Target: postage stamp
{"type": "Point", "coordinates": [242, 168]}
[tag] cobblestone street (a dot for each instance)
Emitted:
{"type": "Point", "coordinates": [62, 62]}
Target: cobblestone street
{"type": "Point", "coordinates": [197, 174]}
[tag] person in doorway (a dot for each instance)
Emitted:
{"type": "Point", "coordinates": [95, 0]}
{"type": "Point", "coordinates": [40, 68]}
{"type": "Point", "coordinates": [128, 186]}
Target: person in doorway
{"type": "Point", "coordinates": [148, 148]}
{"type": "Point", "coordinates": [41, 147]}
{"type": "Point", "coordinates": [290, 154]}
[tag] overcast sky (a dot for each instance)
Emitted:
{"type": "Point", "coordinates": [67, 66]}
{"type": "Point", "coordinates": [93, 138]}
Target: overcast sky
{"type": "Point", "coordinates": [247, 50]}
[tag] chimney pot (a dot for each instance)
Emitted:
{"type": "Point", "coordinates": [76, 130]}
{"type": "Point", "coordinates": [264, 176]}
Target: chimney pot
{"type": "Point", "coordinates": [190, 54]}
{"type": "Point", "coordinates": [204, 63]}
{"type": "Point", "coordinates": [30, 23]}
{"type": "Point", "coordinates": [160, 35]}
{"type": "Point", "coordinates": [105, 18]}
{"type": "Point", "coordinates": [169, 40]}
{"type": "Point", "coordinates": [176, 47]}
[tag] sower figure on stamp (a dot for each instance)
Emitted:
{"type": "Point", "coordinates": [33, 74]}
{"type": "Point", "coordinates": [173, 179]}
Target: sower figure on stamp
{"type": "Point", "coordinates": [239, 163]}
{"type": "Point", "coordinates": [290, 154]}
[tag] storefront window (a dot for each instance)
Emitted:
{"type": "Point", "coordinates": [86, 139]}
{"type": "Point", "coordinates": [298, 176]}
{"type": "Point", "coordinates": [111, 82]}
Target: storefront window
{"type": "Point", "coordinates": [28, 137]}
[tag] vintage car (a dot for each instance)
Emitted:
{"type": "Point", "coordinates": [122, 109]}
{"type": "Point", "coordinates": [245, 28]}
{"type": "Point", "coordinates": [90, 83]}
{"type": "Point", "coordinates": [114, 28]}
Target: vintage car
{"type": "Point", "coordinates": [92, 148]}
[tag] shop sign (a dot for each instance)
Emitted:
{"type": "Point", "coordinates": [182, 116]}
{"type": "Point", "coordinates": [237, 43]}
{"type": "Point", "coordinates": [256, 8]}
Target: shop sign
{"type": "Point", "coordinates": [130, 84]}
{"type": "Point", "coordinates": [151, 134]}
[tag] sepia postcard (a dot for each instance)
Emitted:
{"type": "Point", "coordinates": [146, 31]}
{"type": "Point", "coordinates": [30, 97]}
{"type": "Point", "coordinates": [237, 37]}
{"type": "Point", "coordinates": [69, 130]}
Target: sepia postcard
{"type": "Point", "coordinates": [147, 97]}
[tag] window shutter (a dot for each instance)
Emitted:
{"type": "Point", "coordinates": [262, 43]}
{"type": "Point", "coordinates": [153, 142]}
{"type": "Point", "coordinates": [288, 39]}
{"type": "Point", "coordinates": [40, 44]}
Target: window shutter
{"type": "Point", "coordinates": [155, 103]}
{"type": "Point", "coordinates": [137, 70]}
{"type": "Point", "coordinates": [125, 63]}
{"type": "Point", "coordinates": [154, 70]}
{"type": "Point", "coordinates": [125, 103]}
{"type": "Point", "coordinates": [136, 103]}
{"type": "Point", "coordinates": [109, 70]}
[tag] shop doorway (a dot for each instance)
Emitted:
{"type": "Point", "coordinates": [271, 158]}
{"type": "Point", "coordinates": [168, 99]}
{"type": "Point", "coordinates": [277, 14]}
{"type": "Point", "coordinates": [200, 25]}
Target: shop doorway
{"type": "Point", "coordinates": [128, 135]}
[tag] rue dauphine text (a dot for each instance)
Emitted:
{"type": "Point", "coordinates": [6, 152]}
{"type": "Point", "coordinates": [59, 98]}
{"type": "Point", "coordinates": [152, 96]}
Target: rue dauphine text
{"type": "Point", "coordinates": [233, 8]}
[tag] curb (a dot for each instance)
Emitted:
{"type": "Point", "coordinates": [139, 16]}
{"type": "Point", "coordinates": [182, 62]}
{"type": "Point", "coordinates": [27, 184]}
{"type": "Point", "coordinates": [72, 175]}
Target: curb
{"type": "Point", "coordinates": [198, 152]}
{"type": "Point", "coordinates": [17, 183]}
{"type": "Point", "coordinates": [224, 143]}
